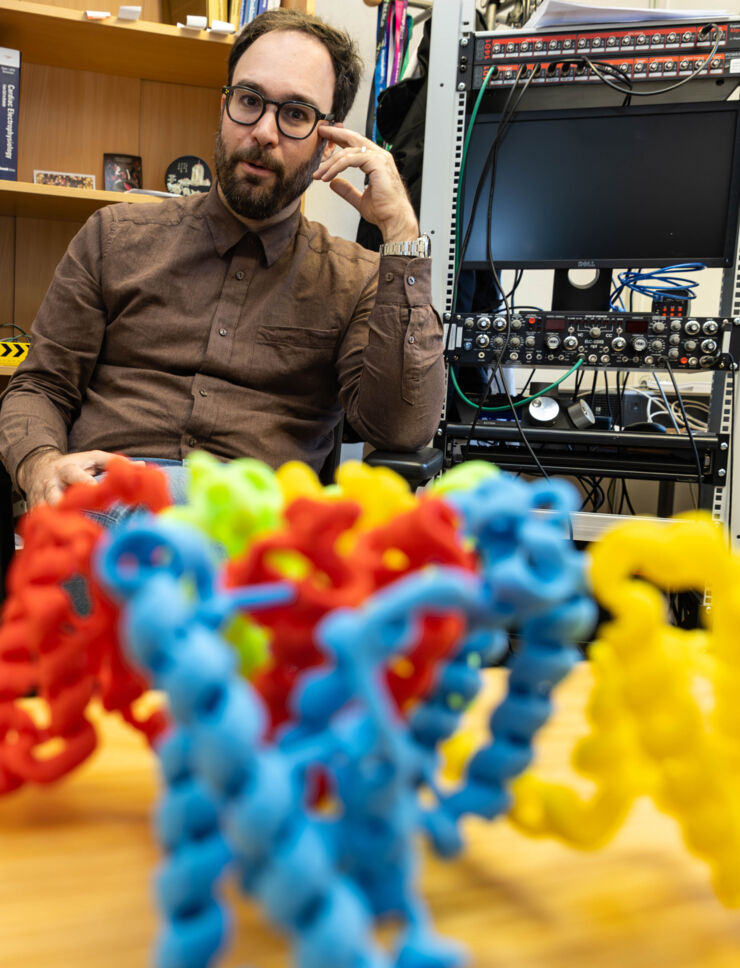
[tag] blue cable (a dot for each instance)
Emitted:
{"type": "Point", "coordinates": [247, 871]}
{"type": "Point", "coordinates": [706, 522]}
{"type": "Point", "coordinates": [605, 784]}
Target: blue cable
{"type": "Point", "coordinates": [657, 282]}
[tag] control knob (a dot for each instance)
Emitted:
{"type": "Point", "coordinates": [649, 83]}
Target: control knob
{"type": "Point", "coordinates": [690, 345]}
{"type": "Point", "coordinates": [676, 326]}
{"type": "Point", "coordinates": [659, 326]}
{"type": "Point", "coordinates": [469, 323]}
{"type": "Point", "coordinates": [484, 323]}
{"type": "Point", "coordinates": [594, 332]}
{"type": "Point", "coordinates": [498, 342]}
{"type": "Point", "coordinates": [514, 341]}
{"type": "Point", "coordinates": [710, 327]}
{"type": "Point", "coordinates": [482, 340]}
{"type": "Point", "coordinates": [530, 341]}
{"type": "Point", "coordinates": [673, 353]}
{"type": "Point", "coordinates": [570, 343]}
{"type": "Point", "coordinates": [499, 322]}
{"type": "Point", "coordinates": [707, 361]}
{"type": "Point", "coordinates": [657, 346]}
{"type": "Point", "coordinates": [552, 342]}
{"type": "Point", "coordinates": [692, 327]}
{"type": "Point", "coordinates": [674, 339]}
{"type": "Point", "coordinates": [619, 343]}
{"type": "Point", "coordinates": [517, 322]}
{"type": "Point", "coordinates": [708, 345]}
{"type": "Point", "coordinates": [639, 344]}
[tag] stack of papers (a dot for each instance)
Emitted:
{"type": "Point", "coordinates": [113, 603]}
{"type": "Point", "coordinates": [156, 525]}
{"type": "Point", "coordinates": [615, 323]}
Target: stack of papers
{"type": "Point", "coordinates": [561, 13]}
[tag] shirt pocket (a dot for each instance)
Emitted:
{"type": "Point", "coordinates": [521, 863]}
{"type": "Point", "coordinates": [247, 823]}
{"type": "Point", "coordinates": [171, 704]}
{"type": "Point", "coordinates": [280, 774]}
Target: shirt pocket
{"type": "Point", "coordinates": [296, 361]}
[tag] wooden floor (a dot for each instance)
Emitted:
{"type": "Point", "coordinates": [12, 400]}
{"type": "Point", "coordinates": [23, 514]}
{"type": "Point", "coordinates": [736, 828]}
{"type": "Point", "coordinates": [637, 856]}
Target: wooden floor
{"type": "Point", "coordinates": [76, 863]}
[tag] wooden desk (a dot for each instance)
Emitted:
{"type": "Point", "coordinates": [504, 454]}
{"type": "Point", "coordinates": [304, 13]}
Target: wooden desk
{"type": "Point", "coordinates": [76, 863]}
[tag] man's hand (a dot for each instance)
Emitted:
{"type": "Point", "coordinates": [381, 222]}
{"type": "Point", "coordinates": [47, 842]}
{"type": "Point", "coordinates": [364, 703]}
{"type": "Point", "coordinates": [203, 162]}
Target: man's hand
{"type": "Point", "coordinates": [384, 202]}
{"type": "Point", "coordinates": [44, 474]}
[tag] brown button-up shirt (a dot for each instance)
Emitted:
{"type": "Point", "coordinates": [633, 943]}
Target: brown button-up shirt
{"type": "Point", "coordinates": [171, 326]}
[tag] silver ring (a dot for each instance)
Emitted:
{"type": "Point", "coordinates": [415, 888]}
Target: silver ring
{"type": "Point", "coordinates": [363, 148]}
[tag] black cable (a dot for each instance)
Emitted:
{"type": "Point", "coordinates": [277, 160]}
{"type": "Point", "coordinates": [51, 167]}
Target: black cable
{"type": "Point", "coordinates": [592, 397]}
{"type": "Point", "coordinates": [22, 333]}
{"type": "Point", "coordinates": [526, 443]}
{"type": "Point", "coordinates": [492, 158]}
{"type": "Point", "coordinates": [626, 497]}
{"type": "Point", "coordinates": [493, 155]}
{"type": "Point", "coordinates": [523, 391]}
{"type": "Point", "coordinates": [608, 400]}
{"type": "Point", "coordinates": [679, 397]}
{"type": "Point", "coordinates": [479, 190]}
{"type": "Point", "coordinates": [671, 87]}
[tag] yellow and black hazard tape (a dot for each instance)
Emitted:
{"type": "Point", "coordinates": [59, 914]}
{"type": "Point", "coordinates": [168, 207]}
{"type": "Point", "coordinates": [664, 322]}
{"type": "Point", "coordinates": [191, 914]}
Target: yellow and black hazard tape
{"type": "Point", "coordinates": [12, 352]}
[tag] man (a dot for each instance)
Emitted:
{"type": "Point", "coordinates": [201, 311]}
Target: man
{"type": "Point", "coordinates": [227, 321]}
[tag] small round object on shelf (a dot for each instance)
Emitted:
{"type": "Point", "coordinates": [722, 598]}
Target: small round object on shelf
{"type": "Point", "coordinates": [188, 175]}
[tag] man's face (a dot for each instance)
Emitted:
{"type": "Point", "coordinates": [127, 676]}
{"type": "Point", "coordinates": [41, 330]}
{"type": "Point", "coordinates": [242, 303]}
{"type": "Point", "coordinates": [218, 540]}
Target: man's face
{"type": "Point", "coordinates": [261, 171]}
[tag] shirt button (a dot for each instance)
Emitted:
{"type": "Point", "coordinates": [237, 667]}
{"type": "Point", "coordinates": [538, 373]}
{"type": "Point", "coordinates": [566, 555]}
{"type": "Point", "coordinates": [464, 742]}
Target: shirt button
{"type": "Point", "coordinates": [239, 275]}
{"type": "Point", "coordinates": [412, 339]}
{"type": "Point", "coordinates": [389, 277]}
{"type": "Point", "coordinates": [223, 332]}
{"type": "Point", "coordinates": [203, 393]}
{"type": "Point", "coordinates": [411, 280]}
{"type": "Point", "coordinates": [192, 441]}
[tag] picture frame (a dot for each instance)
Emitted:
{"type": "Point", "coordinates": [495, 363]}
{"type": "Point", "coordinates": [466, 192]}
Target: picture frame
{"type": "Point", "coordinates": [121, 172]}
{"type": "Point", "coordinates": [63, 179]}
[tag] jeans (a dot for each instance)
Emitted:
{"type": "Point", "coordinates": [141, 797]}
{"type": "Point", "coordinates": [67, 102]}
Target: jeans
{"type": "Point", "coordinates": [176, 478]}
{"type": "Point", "coordinates": [76, 587]}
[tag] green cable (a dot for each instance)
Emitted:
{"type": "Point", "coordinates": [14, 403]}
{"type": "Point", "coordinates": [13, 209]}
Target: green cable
{"type": "Point", "coordinates": [519, 403]}
{"type": "Point", "coordinates": [466, 145]}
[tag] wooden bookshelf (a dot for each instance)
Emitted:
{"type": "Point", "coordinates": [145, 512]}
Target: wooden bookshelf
{"type": "Point", "coordinates": [58, 37]}
{"type": "Point", "coordinates": [65, 204]}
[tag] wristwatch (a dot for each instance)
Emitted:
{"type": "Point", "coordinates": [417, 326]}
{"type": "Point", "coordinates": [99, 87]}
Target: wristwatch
{"type": "Point", "coordinates": [420, 248]}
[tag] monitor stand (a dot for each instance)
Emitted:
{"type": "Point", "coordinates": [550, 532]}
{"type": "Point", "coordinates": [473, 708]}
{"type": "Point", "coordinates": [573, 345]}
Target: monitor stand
{"type": "Point", "coordinates": [568, 296]}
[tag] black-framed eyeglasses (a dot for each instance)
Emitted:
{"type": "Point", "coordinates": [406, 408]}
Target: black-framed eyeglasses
{"type": "Point", "coordinates": [295, 119]}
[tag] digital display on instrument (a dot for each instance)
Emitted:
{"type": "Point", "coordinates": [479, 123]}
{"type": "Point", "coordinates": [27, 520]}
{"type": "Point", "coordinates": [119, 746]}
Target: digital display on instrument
{"type": "Point", "coordinates": [554, 323]}
{"type": "Point", "coordinates": [636, 326]}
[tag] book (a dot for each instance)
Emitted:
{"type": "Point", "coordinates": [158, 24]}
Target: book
{"type": "Point", "coordinates": [10, 85]}
{"type": "Point", "coordinates": [251, 11]}
{"type": "Point", "coordinates": [261, 6]}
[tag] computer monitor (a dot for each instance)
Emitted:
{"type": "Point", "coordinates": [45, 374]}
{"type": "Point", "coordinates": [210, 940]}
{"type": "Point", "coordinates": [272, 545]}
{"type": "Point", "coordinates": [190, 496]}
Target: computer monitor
{"type": "Point", "coordinates": [640, 186]}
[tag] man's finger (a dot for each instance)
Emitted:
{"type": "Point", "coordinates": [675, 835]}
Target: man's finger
{"type": "Point", "coordinates": [344, 137]}
{"type": "Point", "coordinates": [347, 191]}
{"type": "Point", "coordinates": [74, 474]}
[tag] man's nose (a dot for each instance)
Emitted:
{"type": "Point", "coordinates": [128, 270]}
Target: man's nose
{"type": "Point", "coordinates": [266, 131]}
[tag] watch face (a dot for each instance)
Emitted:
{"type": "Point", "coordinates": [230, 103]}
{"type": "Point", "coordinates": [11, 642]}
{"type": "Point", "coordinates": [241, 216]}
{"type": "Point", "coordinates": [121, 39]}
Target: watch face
{"type": "Point", "coordinates": [188, 175]}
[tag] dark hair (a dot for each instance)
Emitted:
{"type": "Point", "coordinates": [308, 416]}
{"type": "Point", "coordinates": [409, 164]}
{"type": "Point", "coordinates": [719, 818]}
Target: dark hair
{"type": "Point", "coordinates": [342, 50]}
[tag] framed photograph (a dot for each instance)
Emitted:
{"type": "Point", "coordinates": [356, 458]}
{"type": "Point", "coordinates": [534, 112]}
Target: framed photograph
{"type": "Point", "coordinates": [122, 172]}
{"type": "Point", "coordinates": [65, 179]}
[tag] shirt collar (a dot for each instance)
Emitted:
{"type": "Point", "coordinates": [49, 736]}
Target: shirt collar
{"type": "Point", "coordinates": [227, 229]}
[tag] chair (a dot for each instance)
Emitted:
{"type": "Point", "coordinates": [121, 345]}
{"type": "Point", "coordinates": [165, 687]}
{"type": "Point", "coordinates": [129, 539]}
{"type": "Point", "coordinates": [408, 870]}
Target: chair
{"type": "Point", "coordinates": [7, 527]}
{"type": "Point", "coordinates": [416, 467]}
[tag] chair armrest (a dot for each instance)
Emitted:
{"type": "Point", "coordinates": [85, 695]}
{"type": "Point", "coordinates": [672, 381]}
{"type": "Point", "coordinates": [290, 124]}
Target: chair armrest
{"type": "Point", "coordinates": [417, 467]}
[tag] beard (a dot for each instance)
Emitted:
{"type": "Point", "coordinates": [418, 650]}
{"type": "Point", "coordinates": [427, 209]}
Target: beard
{"type": "Point", "coordinates": [247, 195]}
